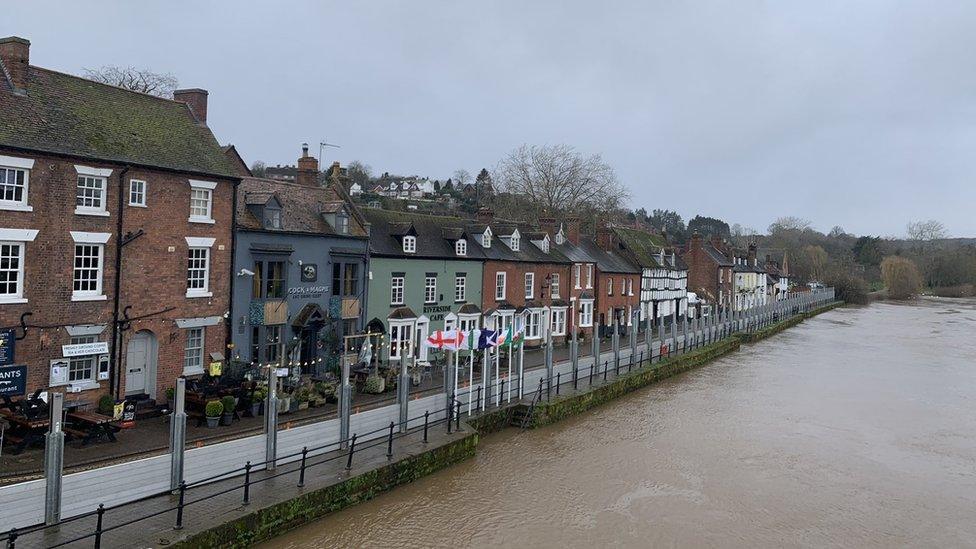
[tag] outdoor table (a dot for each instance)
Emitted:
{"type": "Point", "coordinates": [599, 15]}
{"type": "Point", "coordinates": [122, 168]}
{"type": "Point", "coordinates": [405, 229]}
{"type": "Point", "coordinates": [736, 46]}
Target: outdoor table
{"type": "Point", "coordinates": [91, 426]}
{"type": "Point", "coordinates": [34, 430]}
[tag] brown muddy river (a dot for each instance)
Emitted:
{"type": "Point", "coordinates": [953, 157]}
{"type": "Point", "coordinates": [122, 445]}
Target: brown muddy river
{"type": "Point", "coordinates": [854, 429]}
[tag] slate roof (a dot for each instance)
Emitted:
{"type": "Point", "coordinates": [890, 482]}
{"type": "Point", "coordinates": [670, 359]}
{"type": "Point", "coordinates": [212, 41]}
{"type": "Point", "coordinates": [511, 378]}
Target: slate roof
{"type": "Point", "coordinates": [302, 207]}
{"type": "Point", "coordinates": [646, 248]}
{"type": "Point", "coordinates": [528, 252]}
{"type": "Point", "coordinates": [388, 226]}
{"type": "Point", "coordinates": [717, 256]}
{"type": "Point", "coordinates": [64, 114]}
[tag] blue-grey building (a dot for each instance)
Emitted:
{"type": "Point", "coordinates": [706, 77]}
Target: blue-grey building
{"type": "Point", "coordinates": [300, 268]}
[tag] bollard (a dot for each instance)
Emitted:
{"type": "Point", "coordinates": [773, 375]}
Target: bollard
{"type": "Point", "coordinates": [98, 526]}
{"type": "Point", "coordinates": [426, 419]}
{"type": "Point", "coordinates": [558, 376]}
{"type": "Point", "coordinates": [301, 475]}
{"type": "Point", "coordinates": [352, 448]}
{"type": "Point", "coordinates": [179, 506]}
{"type": "Point", "coordinates": [389, 442]}
{"type": "Point", "coordinates": [247, 483]}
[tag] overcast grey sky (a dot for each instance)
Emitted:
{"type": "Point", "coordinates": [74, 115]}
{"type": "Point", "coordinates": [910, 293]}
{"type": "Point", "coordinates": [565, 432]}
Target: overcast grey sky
{"type": "Point", "coordinates": [860, 114]}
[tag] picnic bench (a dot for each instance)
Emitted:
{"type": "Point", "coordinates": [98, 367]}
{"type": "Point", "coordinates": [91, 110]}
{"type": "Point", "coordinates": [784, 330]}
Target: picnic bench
{"type": "Point", "coordinates": [27, 431]}
{"type": "Point", "coordinates": [89, 426]}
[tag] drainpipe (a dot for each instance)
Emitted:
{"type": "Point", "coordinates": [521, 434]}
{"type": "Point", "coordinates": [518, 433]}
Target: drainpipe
{"type": "Point", "coordinates": [229, 337]}
{"type": "Point", "coordinates": [116, 370]}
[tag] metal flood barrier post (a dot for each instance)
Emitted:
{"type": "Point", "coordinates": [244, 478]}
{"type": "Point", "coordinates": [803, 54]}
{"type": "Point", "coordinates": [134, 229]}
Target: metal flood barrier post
{"type": "Point", "coordinates": [403, 392]}
{"type": "Point", "coordinates": [615, 341]}
{"type": "Point", "coordinates": [54, 461]}
{"type": "Point", "coordinates": [345, 404]}
{"type": "Point", "coordinates": [177, 435]}
{"type": "Point", "coordinates": [271, 417]}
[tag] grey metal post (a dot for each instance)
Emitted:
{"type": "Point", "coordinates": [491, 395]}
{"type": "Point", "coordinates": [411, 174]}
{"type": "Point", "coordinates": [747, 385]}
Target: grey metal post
{"type": "Point", "coordinates": [403, 391]}
{"type": "Point", "coordinates": [615, 341]}
{"type": "Point", "coordinates": [634, 323]}
{"type": "Point", "coordinates": [574, 342]}
{"type": "Point", "coordinates": [54, 461]}
{"type": "Point", "coordinates": [648, 334]}
{"type": "Point", "coordinates": [660, 329]}
{"type": "Point", "coordinates": [549, 363]}
{"type": "Point", "coordinates": [271, 415]}
{"type": "Point", "coordinates": [345, 402]}
{"type": "Point", "coordinates": [177, 435]}
{"type": "Point", "coordinates": [449, 378]}
{"type": "Point", "coordinates": [674, 331]}
{"type": "Point", "coordinates": [486, 378]}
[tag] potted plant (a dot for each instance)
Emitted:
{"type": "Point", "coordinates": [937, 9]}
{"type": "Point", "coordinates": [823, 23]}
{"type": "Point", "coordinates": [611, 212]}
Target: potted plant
{"type": "Point", "coordinates": [391, 378]}
{"type": "Point", "coordinates": [212, 411]}
{"type": "Point", "coordinates": [374, 384]}
{"type": "Point", "coordinates": [229, 404]}
{"type": "Point", "coordinates": [327, 390]}
{"type": "Point", "coordinates": [171, 398]}
{"type": "Point", "coordinates": [416, 375]}
{"type": "Point", "coordinates": [257, 401]}
{"type": "Point", "coordinates": [304, 396]}
{"type": "Point", "coordinates": [106, 405]}
{"type": "Point", "coordinates": [284, 403]}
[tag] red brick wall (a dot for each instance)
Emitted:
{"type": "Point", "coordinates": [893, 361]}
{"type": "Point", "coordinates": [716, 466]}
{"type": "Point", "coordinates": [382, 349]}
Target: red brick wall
{"type": "Point", "coordinates": [515, 282]}
{"type": "Point", "coordinates": [619, 300]}
{"type": "Point", "coordinates": [154, 279]}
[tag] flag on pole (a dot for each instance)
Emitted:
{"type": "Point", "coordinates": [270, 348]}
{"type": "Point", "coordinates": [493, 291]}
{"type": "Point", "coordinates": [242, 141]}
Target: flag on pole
{"type": "Point", "coordinates": [487, 339]}
{"type": "Point", "coordinates": [449, 340]}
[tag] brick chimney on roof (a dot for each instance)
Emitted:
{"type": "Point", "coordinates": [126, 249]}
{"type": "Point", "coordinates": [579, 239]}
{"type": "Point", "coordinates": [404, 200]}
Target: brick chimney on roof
{"type": "Point", "coordinates": [573, 229]}
{"type": "Point", "coordinates": [696, 241]}
{"type": "Point", "coordinates": [548, 225]}
{"type": "Point", "coordinates": [308, 169]}
{"type": "Point", "coordinates": [14, 62]}
{"type": "Point", "coordinates": [604, 236]}
{"type": "Point", "coordinates": [196, 99]}
{"type": "Point", "coordinates": [485, 216]}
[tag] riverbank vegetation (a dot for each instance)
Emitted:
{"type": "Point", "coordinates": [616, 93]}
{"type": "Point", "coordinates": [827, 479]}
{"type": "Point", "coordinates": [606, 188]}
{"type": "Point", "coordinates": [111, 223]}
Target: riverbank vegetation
{"type": "Point", "coordinates": [901, 277]}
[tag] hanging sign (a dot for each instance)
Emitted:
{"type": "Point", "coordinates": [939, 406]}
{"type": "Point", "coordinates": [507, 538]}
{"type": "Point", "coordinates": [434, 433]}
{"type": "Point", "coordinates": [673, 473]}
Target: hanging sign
{"type": "Point", "coordinates": [13, 380]}
{"type": "Point", "coordinates": [7, 342]}
{"type": "Point", "coordinates": [83, 349]}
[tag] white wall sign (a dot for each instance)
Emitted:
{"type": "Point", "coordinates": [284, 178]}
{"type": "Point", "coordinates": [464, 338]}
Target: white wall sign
{"type": "Point", "coordinates": [82, 349]}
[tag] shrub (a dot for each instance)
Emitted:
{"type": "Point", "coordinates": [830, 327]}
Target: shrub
{"type": "Point", "coordinates": [848, 288]}
{"type": "Point", "coordinates": [170, 393]}
{"type": "Point", "coordinates": [901, 277]}
{"type": "Point", "coordinates": [214, 408]}
{"type": "Point", "coordinates": [374, 384]}
{"type": "Point", "coordinates": [229, 403]}
{"type": "Point", "coordinates": [106, 405]}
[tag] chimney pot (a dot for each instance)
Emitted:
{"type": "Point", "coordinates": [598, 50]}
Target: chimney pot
{"type": "Point", "coordinates": [308, 169]}
{"type": "Point", "coordinates": [15, 62]}
{"type": "Point", "coordinates": [196, 99]}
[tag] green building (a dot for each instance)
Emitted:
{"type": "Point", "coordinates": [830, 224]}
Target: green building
{"type": "Point", "coordinates": [425, 274]}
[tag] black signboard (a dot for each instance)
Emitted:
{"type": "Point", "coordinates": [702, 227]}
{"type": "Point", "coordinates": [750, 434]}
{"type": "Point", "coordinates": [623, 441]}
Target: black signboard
{"type": "Point", "coordinates": [7, 341]}
{"type": "Point", "coordinates": [13, 380]}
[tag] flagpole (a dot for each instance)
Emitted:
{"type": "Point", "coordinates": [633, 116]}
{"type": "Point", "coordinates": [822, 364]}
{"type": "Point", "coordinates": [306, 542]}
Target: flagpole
{"type": "Point", "coordinates": [498, 395]}
{"type": "Point", "coordinates": [470, 371]}
{"type": "Point", "coordinates": [508, 339]}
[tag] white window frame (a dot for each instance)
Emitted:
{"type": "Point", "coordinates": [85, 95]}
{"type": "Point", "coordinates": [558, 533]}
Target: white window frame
{"type": "Point", "coordinates": [557, 321]}
{"type": "Point", "coordinates": [554, 285]}
{"type": "Point", "coordinates": [97, 241]}
{"type": "Point", "coordinates": [461, 247]}
{"type": "Point", "coordinates": [197, 243]}
{"type": "Point", "coordinates": [396, 290]}
{"type": "Point", "coordinates": [530, 285]}
{"type": "Point", "coordinates": [630, 286]}
{"type": "Point", "coordinates": [142, 192]}
{"type": "Point", "coordinates": [586, 313]}
{"type": "Point", "coordinates": [589, 276]}
{"type": "Point", "coordinates": [516, 242]}
{"type": "Point", "coordinates": [609, 285]}
{"type": "Point", "coordinates": [460, 288]}
{"type": "Point", "coordinates": [16, 165]}
{"type": "Point", "coordinates": [502, 277]}
{"type": "Point", "coordinates": [202, 186]}
{"type": "Point", "coordinates": [401, 340]}
{"type": "Point", "coordinates": [577, 274]}
{"type": "Point", "coordinates": [193, 370]}
{"type": "Point", "coordinates": [21, 243]}
{"type": "Point", "coordinates": [430, 289]}
{"type": "Point", "coordinates": [533, 324]}
{"type": "Point", "coordinates": [410, 244]}
{"type": "Point", "coordinates": [101, 174]}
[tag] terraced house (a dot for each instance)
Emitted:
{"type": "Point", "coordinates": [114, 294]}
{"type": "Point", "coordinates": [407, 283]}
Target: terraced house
{"type": "Point", "coordinates": [709, 270]}
{"type": "Point", "coordinates": [664, 276]}
{"type": "Point", "coordinates": [749, 280]}
{"type": "Point", "coordinates": [425, 274]}
{"type": "Point", "coordinates": [300, 268]}
{"type": "Point", "coordinates": [115, 232]}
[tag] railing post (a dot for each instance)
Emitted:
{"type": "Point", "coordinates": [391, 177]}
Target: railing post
{"type": "Point", "coordinates": [54, 461]}
{"type": "Point", "coordinates": [605, 368]}
{"type": "Point", "coordinates": [352, 449]}
{"type": "Point", "coordinates": [301, 475]}
{"type": "Point", "coordinates": [593, 367]}
{"type": "Point", "coordinates": [478, 405]}
{"type": "Point", "coordinates": [247, 483]}
{"type": "Point", "coordinates": [558, 376]}
{"type": "Point", "coordinates": [177, 435]}
{"type": "Point", "coordinates": [100, 513]}
{"type": "Point", "coordinates": [457, 416]}
{"type": "Point", "coordinates": [450, 416]}
{"type": "Point", "coordinates": [389, 442]}
{"type": "Point", "coordinates": [501, 391]}
{"type": "Point", "coordinates": [426, 420]}
{"type": "Point", "coordinates": [179, 506]}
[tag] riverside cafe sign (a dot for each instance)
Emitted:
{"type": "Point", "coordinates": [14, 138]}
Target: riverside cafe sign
{"type": "Point", "coordinates": [13, 378]}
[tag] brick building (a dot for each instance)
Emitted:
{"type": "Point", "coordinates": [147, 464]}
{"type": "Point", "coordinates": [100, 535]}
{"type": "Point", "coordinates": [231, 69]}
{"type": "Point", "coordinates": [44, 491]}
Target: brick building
{"type": "Point", "coordinates": [115, 232]}
{"type": "Point", "coordinates": [524, 275]}
{"type": "Point", "coordinates": [709, 270]}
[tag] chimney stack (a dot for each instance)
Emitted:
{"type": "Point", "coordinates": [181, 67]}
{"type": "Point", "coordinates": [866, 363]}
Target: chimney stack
{"type": "Point", "coordinates": [696, 241]}
{"type": "Point", "coordinates": [196, 99]}
{"type": "Point", "coordinates": [14, 62]}
{"type": "Point", "coordinates": [308, 169]}
{"type": "Point", "coordinates": [548, 225]}
{"type": "Point", "coordinates": [752, 254]}
{"type": "Point", "coordinates": [604, 236]}
{"type": "Point", "coordinates": [485, 216]}
{"type": "Point", "coordinates": [573, 229]}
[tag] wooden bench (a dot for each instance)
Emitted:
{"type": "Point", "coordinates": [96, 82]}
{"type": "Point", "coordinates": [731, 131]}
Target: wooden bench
{"type": "Point", "coordinates": [91, 426]}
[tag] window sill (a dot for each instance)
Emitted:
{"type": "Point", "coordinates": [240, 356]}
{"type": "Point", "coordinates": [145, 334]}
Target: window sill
{"type": "Point", "coordinates": [88, 211]}
{"type": "Point", "coordinates": [585, 325]}
{"type": "Point", "coordinates": [138, 205]}
{"type": "Point", "coordinates": [82, 386]}
{"type": "Point", "coordinates": [12, 300]}
{"type": "Point", "coordinates": [205, 220]}
{"type": "Point", "coordinates": [15, 207]}
{"type": "Point", "coordinates": [396, 304]}
{"type": "Point", "coordinates": [193, 372]}
{"type": "Point", "coordinates": [191, 295]}
{"type": "Point", "coordinates": [89, 297]}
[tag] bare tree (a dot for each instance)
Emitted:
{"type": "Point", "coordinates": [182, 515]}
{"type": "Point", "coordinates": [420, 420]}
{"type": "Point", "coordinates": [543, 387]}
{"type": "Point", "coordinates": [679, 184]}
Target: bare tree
{"type": "Point", "coordinates": [558, 178]}
{"type": "Point", "coordinates": [258, 169]}
{"type": "Point", "coordinates": [789, 223]}
{"type": "Point", "coordinates": [359, 173]}
{"type": "Point", "coordinates": [461, 178]}
{"type": "Point", "coordinates": [140, 80]}
{"type": "Point", "coordinates": [926, 230]}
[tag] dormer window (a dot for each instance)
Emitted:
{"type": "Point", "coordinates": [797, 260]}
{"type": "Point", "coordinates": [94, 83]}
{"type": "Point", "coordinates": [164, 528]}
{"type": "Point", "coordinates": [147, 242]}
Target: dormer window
{"type": "Point", "coordinates": [486, 239]}
{"type": "Point", "coordinates": [272, 218]}
{"type": "Point", "coordinates": [342, 223]}
{"type": "Point", "coordinates": [409, 244]}
{"type": "Point", "coordinates": [515, 242]}
{"type": "Point", "coordinates": [461, 247]}
{"type": "Point", "coordinates": [560, 237]}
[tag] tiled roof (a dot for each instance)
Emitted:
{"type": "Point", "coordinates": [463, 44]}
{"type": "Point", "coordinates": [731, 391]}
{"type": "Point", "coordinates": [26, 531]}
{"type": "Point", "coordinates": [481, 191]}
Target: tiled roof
{"type": "Point", "coordinates": [587, 251]}
{"type": "Point", "coordinates": [528, 252]}
{"type": "Point", "coordinates": [646, 247]}
{"type": "Point", "coordinates": [302, 206]}
{"type": "Point", "coordinates": [717, 256]}
{"type": "Point", "coordinates": [64, 114]}
{"type": "Point", "coordinates": [389, 226]}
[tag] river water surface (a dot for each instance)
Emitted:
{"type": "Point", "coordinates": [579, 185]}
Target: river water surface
{"type": "Point", "coordinates": [855, 429]}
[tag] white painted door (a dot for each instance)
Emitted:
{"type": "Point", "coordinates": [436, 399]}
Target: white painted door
{"type": "Point", "coordinates": [137, 360]}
